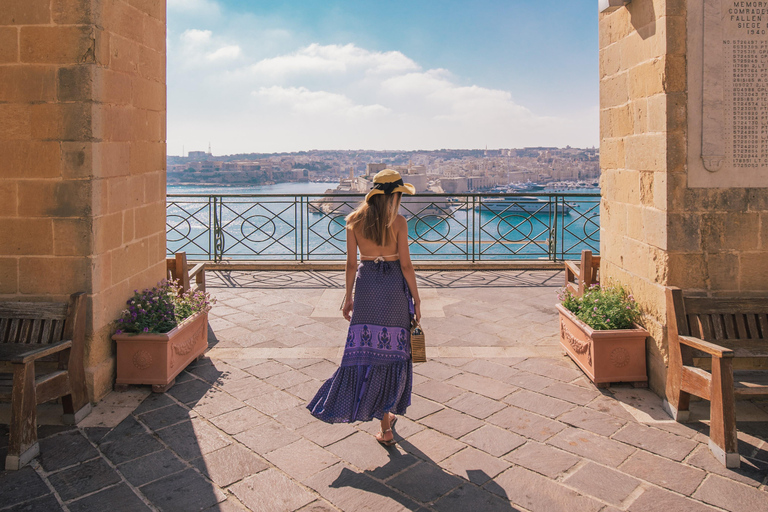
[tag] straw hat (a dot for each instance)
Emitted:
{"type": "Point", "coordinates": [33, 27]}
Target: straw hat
{"type": "Point", "coordinates": [389, 181]}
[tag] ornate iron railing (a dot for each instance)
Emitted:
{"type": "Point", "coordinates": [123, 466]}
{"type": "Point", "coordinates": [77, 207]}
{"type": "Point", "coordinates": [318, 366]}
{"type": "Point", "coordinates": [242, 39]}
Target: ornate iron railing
{"type": "Point", "coordinates": [468, 227]}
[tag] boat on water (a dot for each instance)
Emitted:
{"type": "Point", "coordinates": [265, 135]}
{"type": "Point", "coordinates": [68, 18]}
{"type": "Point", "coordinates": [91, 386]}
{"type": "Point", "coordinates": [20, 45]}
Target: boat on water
{"type": "Point", "coordinates": [527, 205]}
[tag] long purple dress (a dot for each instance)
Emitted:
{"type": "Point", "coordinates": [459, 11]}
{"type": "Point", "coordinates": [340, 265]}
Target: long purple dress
{"type": "Point", "coordinates": [376, 373]}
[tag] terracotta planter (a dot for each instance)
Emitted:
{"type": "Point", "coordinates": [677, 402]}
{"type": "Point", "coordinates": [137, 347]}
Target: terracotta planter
{"type": "Point", "coordinates": [605, 356]}
{"type": "Point", "coordinates": [157, 359]}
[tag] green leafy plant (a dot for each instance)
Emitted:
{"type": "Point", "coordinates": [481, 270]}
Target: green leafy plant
{"type": "Point", "coordinates": [160, 309]}
{"type": "Point", "coordinates": [602, 308]}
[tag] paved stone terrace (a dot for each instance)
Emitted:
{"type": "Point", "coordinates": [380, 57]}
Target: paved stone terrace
{"type": "Point", "coordinates": [500, 420]}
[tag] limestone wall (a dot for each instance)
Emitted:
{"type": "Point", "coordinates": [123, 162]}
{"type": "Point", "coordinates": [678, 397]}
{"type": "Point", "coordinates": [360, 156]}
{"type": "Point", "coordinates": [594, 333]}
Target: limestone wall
{"type": "Point", "coordinates": [656, 231]}
{"type": "Point", "coordinates": [82, 157]}
{"type": "Point", "coordinates": [642, 100]}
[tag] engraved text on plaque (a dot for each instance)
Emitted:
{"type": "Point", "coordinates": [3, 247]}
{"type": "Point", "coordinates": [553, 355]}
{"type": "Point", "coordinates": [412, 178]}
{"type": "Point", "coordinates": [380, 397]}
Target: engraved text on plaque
{"type": "Point", "coordinates": [728, 93]}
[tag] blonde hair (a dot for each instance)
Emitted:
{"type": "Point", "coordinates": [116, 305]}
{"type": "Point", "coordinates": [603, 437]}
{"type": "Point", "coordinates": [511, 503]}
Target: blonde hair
{"type": "Point", "coordinates": [376, 218]}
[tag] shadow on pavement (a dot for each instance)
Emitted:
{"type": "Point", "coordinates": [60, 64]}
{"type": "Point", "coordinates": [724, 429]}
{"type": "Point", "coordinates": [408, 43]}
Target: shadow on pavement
{"type": "Point", "coordinates": [419, 477]}
{"type": "Point", "coordinates": [429, 279]}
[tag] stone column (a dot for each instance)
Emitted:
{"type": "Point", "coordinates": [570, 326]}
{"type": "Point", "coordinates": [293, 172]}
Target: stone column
{"type": "Point", "coordinates": [82, 158]}
{"type": "Point", "coordinates": [658, 226]}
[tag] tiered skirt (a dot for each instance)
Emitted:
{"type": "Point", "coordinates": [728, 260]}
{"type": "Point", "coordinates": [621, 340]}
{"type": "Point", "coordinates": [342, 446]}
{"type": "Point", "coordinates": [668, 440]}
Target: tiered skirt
{"type": "Point", "coordinates": [376, 373]}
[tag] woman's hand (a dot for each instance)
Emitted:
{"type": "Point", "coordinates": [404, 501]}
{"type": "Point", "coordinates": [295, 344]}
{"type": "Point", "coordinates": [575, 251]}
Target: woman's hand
{"type": "Point", "coordinates": [417, 309]}
{"type": "Point", "coordinates": [347, 309]}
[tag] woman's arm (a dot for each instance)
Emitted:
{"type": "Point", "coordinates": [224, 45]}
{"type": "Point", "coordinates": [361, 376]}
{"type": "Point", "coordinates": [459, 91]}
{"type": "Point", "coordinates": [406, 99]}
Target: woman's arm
{"type": "Point", "coordinates": [351, 270]}
{"type": "Point", "coordinates": [401, 225]}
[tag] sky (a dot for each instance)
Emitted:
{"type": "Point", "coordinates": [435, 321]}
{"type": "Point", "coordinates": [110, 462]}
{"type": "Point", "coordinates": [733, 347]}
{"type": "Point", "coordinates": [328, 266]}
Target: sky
{"type": "Point", "coordinates": [264, 76]}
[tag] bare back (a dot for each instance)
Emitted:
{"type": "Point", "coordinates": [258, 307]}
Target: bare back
{"type": "Point", "coordinates": [370, 250]}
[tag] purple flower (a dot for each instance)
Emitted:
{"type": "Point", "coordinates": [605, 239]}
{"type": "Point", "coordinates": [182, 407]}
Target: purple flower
{"type": "Point", "coordinates": [119, 331]}
{"type": "Point", "coordinates": [595, 308]}
{"type": "Point", "coordinates": [146, 329]}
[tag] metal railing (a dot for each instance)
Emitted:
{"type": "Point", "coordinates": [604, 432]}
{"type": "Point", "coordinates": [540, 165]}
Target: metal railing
{"type": "Point", "coordinates": [465, 227]}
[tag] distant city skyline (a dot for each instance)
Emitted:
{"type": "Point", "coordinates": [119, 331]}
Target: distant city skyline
{"type": "Point", "coordinates": [290, 76]}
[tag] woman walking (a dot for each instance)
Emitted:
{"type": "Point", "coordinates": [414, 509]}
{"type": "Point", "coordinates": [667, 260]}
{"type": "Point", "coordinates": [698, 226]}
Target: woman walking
{"type": "Point", "coordinates": [375, 376]}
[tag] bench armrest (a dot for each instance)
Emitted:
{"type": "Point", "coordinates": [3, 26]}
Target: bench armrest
{"type": "Point", "coordinates": [200, 267]}
{"type": "Point", "coordinates": [46, 350]}
{"type": "Point", "coordinates": [573, 266]}
{"type": "Point", "coordinates": [705, 346]}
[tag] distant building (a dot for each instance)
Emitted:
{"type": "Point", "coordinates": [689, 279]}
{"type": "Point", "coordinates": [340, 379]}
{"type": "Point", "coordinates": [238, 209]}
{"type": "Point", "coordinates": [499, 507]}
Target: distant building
{"type": "Point", "coordinates": [454, 185]}
{"type": "Point", "coordinates": [372, 169]}
{"type": "Point", "coordinates": [481, 182]}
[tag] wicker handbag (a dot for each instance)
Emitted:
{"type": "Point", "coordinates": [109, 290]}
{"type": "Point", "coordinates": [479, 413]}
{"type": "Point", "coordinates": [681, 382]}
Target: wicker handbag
{"type": "Point", "coordinates": [418, 345]}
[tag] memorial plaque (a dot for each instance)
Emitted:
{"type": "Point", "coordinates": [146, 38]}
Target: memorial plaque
{"type": "Point", "coordinates": [727, 93]}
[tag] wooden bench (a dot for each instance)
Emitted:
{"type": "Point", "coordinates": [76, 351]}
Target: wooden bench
{"type": "Point", "coordinates": [46, 333]}
{"type": "Point", "coordinates": [588, 267]}
{"type": "Point", "coordinates": [717, 330]}
{"type": "Point", "coordinates": [179, 269]}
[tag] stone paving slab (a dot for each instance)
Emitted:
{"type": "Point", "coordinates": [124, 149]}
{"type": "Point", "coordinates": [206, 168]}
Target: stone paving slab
{"type": "Point", "coordinates": [500, 420]}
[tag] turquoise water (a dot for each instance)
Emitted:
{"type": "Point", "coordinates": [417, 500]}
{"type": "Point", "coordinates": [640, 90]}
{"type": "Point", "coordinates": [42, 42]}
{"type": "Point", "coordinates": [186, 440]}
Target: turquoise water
{"type": "Point", "coordinates": [277, 228]}
{"type": "Point", "coordinates": [278, 188]}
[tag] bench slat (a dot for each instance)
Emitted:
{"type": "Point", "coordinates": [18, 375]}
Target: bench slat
{"type": "Point", "coordinates": [741, 327]}
{"type": "Point", "coordinates": [46, 336]}
{"type": "Point", "coordinates": [720, 305]}
{"type": "Point", "coordinates": [3, 329]}
{"type": "Point", "coordinates": [763, 321]}
{"type": "Point", "coordinates": [730, 327]}
{"type": "Point", "coordinates": [706, 329]}
{"type": "Point", "coordinates": [56, 310]}
{"type": "Point", "coordinates": [36, 327]}
{"type": "Point", "coordinates": [24, 330]}
{"type": "Point", "coordinates": [754, 333]}
{"type": "Point", "coordinates": [747, 348]}
{"type": "Point", "coordinates": [13, 331]}
{"type": "Point", "coordinates": [58, 329]}
{"type": "Point", "coordinates": [750, 382]}
{"type": "Point", "coordinates": [717, 327]}
{"type": "Point", "coordinates": [694, 327]}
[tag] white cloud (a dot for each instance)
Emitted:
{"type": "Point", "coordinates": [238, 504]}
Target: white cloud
{"type": "Point", "coordinates": [339, 97]}
{"type": "Point", "coordinates": [328, 59]}
{"type": "Point", "coordinates": [196, 37]}
{"type": "Point", "coordinates": [303, 101]}
{"type": "Point", "coordinates": [225, 53]}
{"type": "Point", "coordinates": [198, 45]}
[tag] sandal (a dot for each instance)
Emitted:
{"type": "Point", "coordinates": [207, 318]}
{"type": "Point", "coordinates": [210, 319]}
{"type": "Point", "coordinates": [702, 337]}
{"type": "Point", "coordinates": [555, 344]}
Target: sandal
{"type": "Point", "coordinates": [390, 442]}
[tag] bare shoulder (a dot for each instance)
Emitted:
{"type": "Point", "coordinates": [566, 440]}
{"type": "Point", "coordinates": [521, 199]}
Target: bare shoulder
{"type": "Point", "coordinates": [400, 222]}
